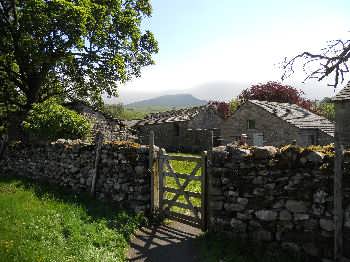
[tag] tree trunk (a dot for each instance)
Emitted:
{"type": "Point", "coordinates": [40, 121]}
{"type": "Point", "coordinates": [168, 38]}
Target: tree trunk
{"type": "Point", "coordinates": [3, 145]}
{"type": "Point", "coordinates": [15, 127]}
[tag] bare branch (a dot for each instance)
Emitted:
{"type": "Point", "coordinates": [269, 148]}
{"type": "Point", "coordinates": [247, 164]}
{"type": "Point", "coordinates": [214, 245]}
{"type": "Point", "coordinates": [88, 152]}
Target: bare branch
{"type": "Point", "coordinates": [333, 59]}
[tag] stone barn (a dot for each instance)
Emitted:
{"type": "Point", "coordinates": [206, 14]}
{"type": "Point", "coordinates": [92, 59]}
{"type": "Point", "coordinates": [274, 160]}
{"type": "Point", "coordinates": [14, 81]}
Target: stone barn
{"type": "Point", "coordinates": [272, 123]}
{"type": "Point", "coordinates": [185, 130]}
{"type": "Point", "coordinates": [112, 128]}
{"type": "Point", "coordinates": [342, 115]}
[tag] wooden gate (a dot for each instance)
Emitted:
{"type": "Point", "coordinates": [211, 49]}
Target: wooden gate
{"type": "Point", "coordinates": [176, 200]}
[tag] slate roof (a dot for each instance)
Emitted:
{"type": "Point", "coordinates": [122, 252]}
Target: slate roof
{"type": "Point", "coordinates": [297, 116]}
{"type": "Point", "coordinates": [343, 94]}
{"type": "Point", "coordinates": [179, 115]}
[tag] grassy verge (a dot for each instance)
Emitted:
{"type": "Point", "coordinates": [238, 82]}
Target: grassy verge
{"type": "Point", "coordinates": [42, 223]}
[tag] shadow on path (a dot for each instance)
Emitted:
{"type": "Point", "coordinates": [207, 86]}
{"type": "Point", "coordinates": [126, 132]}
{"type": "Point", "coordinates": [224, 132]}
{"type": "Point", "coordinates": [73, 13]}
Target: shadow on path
{"type": "Point", "coordinates": [169, 243]}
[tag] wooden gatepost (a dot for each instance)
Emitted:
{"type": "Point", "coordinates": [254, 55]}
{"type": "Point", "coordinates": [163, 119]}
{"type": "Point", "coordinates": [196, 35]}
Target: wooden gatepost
{"type": "Point", "coordinates": [153, 167]}
{"type": "Point", "coordinates": [342, 141]}
{"type": "Point", "coordinates": [98, 143]}
{"type": "Point", "coordinates": [338, 199]}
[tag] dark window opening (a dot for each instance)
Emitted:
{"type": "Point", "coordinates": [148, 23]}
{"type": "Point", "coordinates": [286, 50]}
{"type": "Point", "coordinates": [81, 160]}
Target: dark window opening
{"type": "Point", "coordinates": [312, 140]}
{"type": "Point", "coordinates": [176, 129]}
{"type": "Point", "coordinates": [251, 124]}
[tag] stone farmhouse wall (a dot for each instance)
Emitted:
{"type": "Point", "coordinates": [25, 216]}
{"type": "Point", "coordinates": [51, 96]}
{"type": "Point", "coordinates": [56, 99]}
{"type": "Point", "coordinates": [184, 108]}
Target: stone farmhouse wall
{"type": "Point", "coordinates": [185, 136]}
{"type": "Point", "coordinates": [123, 176]}
{"type": "Point", "coordinates": [276, 131]}
{"type": "Point", "coordinates": [283, 198]}
{"type": "Point", "coordinates": [111, 128]}
{"type": "Point", "coordinates": [207, 119]}
{"type": "Point", "coordinates": [187, 140]}
{"type": "Point", "coordinates": [342, 119]}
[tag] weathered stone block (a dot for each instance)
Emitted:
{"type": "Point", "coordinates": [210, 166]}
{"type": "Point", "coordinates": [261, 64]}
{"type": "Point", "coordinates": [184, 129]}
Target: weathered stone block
{"type": "Point", "coordinates": [279, 204]}
{"type": "Point", "coordinates": [320, 197]}
{"type": "Point", "coordinates": [225, 180]}
{"type": "Point", "coordinates": [139, 170]}
{"type": "Point", "coordinates": [238, 225]}
{"type": "Point", "coordinates": [311, 249]}
{"type": "Point", "coordinates": [318, 210]}
{"type": "Point", "coordinates": [266, 215]}
{"type": "Point", "coordinates": [285, 215]}
{"type": "Point", "coordinates": [327, 224]}
{"type": "Point", "coordinates": [242, 201]}
{"type": "Point", "coordinates": [263, 172]}
{"type": "Point", "coordinates": [301, 217]}
{"type": "Point", "coordinates": [215, 191]}
{"type": "Point", "coordinates": [264, 152]}
{"type": "Point", "coordinates": [296, 206]}
{"type": "Point", "coordinates": [243, 216]}
{"type": "Point", "coordinates": [231, 193]}
{"type": "Point", "coordinates": [312, 157]}
{"type": "Point", "coordinates": [311, 225]}
{"type": "Point", "coordinates": [270, 186]}
{"type": "Point", "coordinates": [259, 180]}
{"type": "Point", "coordinates": [262, 235]}
{"type": "Point", "coordinates": [216, 205]}
{"type": "Point", "coordinates": [347, 217]}
{"type": "Point", "coordinates": [291, 246]}
{"type": "Point", "coordinates": [233, 207]}
{"type": "Point", "coordinates": [259, 191]}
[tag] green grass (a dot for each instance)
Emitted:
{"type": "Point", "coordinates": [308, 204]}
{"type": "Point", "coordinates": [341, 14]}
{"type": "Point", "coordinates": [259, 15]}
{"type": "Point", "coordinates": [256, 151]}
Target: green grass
{"type": "Point", "coordinates": [216, 247]}
{"type": "Point", "coordinates": [42, 223]}
{"type": "Point", "coordinates": [184, 167]}
{"type": "Point", "coordinates": [129, 113]}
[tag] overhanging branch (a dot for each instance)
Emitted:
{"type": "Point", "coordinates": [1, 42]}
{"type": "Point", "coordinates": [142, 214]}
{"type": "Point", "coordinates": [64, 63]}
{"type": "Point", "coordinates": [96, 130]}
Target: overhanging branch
{"type": "Point", "coordinates": [333, 59]}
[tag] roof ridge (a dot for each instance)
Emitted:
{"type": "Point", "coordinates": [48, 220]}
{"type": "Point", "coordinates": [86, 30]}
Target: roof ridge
{"type": "Point", "coordinates": [170, 112]}
{"type": "Point", "coordinates": [94, 108]}
{"type": "Point", "coordinates": [343, 94]}
{"type": "Point", "coordinates": [300, 121]}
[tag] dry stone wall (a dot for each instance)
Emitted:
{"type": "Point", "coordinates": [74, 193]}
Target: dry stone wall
{"type": "Point", "coordinates": [286, 198]}
{"type": "Point", "coordinates": [123, 175]}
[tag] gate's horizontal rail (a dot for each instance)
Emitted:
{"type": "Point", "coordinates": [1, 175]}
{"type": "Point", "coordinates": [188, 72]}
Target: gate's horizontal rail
{"type": "Point", "coordinates": [184, 158]}
{"type": "Point", "coordinates": [171, 203]}
{"type": "Point", "coordinates": [182, 176]}
{"type": "Point", "coordinates": [186, 219]}
{"type": "Point", "coordinates": [181, 192]}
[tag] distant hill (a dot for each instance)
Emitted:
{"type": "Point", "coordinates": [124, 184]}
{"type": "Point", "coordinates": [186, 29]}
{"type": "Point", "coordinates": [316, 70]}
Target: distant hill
{"type": "Point", "coordinates": [169, 101]}
{"type": "Point", "coordinates": [222, 91]}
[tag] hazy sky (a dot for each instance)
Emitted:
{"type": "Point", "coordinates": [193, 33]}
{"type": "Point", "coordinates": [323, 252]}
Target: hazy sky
{"type": "Point", "coordinates": [231, 41]}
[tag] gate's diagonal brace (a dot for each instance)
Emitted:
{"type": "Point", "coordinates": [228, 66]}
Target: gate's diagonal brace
{"type": "Point", "coordinates": [183, 187]}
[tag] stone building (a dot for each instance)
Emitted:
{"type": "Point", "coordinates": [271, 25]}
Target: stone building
{"type": "Point", "coordinates": [112, 128]}
{"type": "Point", "coordinates": [272, 123]}
{"type": "Point", "coordinates": [186, 130]}
{"type": "Point", "coordinates": [342, 115]}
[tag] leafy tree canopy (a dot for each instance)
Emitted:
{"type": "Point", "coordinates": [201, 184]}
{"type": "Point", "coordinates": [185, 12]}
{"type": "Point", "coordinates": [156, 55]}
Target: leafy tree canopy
{"type": "Point", "coordinates": [72, 49]}
{"type": "Point", "coordinates": [326, 108]}
{"type": "Point", "coordinates": [49, 120]}
{"type": "Point", "coordinates": [223, 108]}
{"type": "Point", "coordinates": [276, 92]}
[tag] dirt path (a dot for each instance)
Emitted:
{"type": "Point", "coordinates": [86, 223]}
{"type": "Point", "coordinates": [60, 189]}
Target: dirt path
{"type": "Point", "coordinates": [170, 243]}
